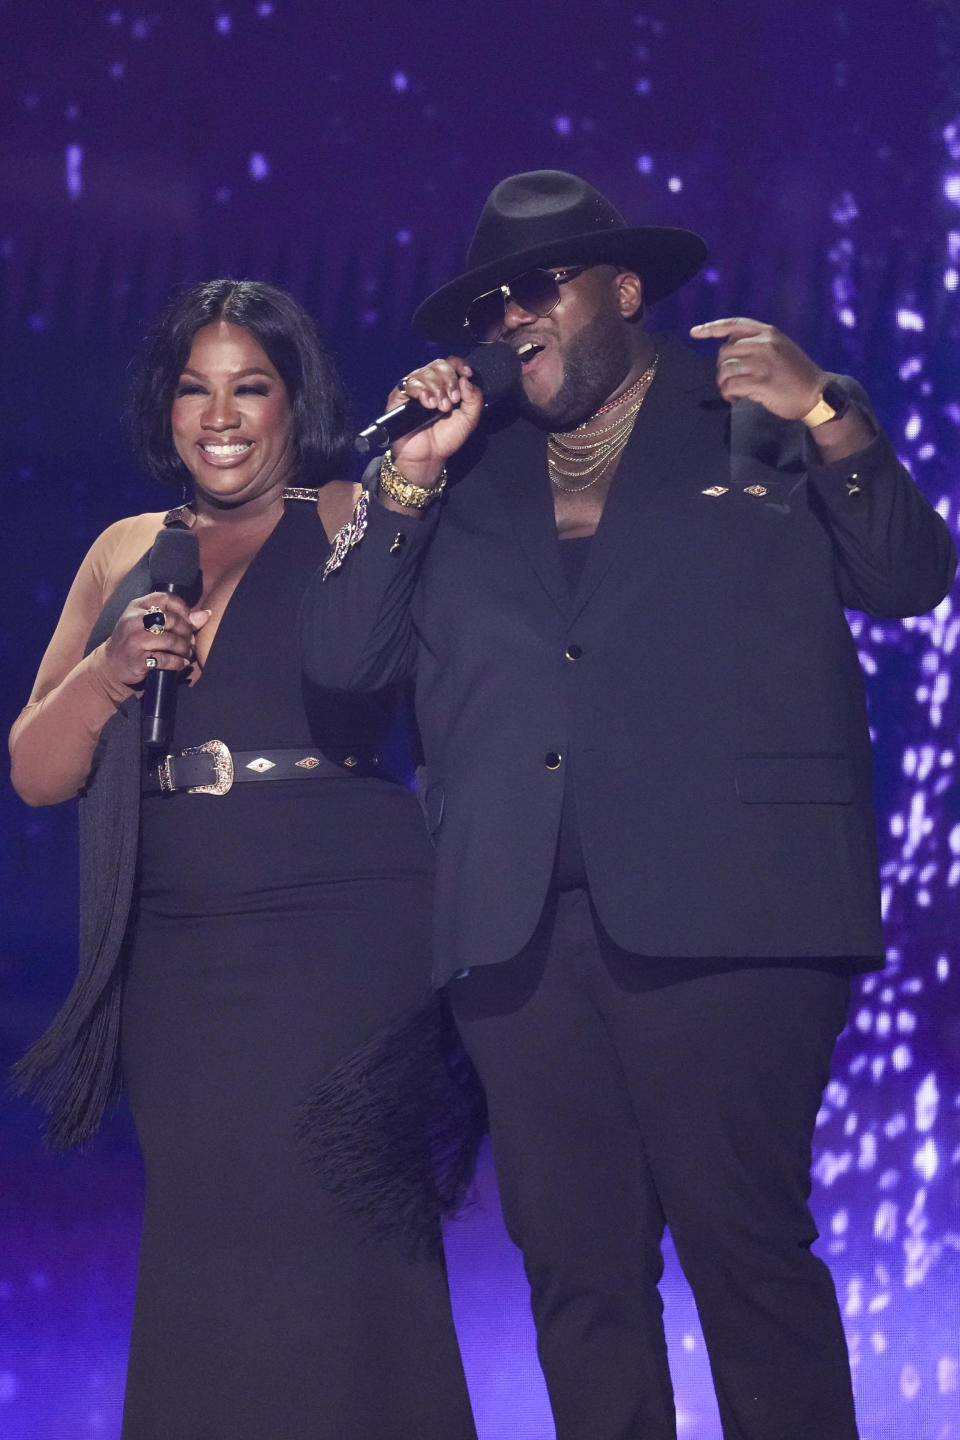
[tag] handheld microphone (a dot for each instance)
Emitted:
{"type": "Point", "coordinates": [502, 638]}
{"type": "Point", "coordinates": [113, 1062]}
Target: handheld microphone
{"type": "Point", "coordinates": [174, 569]}
{"type": "Point", "coordinates": [496, 369]}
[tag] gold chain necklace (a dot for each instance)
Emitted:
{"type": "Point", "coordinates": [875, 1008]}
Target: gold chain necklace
{"type": "Point", "coordinates": [593, 457]}
{"type": "Point", "coordinates": [637, 385]}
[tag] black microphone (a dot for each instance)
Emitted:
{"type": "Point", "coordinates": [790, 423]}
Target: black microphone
{"type": "Point", "coordinates": [496, 369]}
{"type": "Point", "coordinates": [175, 569]}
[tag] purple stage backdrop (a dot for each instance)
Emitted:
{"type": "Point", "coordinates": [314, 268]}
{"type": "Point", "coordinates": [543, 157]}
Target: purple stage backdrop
{"type": "Point", "coordinates": [344, 151]}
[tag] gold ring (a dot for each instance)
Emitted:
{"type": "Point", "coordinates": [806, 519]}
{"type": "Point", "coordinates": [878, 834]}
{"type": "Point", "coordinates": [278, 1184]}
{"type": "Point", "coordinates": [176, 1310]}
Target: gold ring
{"type": "Point", "coordinates": [402, 385]}
{"type": "Point", "coordinates": [155, 621]}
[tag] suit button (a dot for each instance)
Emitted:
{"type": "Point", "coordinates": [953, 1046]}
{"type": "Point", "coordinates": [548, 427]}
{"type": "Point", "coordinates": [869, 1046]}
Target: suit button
{"type": "Point", "coordinates": [574, 652]}
{"type": "Point", "coordinates": [552, 760]}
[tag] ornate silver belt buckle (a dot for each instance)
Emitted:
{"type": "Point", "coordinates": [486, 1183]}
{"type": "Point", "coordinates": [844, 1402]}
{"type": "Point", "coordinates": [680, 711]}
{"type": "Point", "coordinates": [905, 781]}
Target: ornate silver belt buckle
{"type": "Point", "coordinates": [222, 764]}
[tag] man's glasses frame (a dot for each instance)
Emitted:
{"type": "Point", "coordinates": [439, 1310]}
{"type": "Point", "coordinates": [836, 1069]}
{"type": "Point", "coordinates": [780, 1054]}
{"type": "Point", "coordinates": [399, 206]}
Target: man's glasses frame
{"type": "Point", "coordinates": [537, 291]}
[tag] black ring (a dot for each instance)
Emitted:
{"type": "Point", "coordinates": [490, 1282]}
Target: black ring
{"type": "Point", "coordinates": [155, 622]}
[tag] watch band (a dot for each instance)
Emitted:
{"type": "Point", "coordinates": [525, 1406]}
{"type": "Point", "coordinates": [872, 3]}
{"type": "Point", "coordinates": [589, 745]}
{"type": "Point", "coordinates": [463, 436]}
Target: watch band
{"type": "Point", "coordinates": [834, 402]}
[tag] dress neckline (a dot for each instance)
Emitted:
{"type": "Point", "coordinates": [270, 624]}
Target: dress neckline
{"type": "Point", "coordinates": [185, 515]}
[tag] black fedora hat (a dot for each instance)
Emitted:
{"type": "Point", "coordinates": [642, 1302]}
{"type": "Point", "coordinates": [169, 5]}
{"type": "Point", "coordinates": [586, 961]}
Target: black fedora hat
{"type": "Point", "coordinates": [547, 217]}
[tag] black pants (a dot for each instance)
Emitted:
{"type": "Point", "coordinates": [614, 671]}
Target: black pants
{"type": "Point", "coordinates": [627, 1093]}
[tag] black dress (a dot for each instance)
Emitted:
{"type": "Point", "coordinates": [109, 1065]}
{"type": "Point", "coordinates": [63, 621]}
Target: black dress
{"type": "Point", "coordinates": [278, 928]}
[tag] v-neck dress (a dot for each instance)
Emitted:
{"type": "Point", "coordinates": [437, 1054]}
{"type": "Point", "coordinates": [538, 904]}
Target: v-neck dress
{"type": "Point", "coordinates": [278, 928]}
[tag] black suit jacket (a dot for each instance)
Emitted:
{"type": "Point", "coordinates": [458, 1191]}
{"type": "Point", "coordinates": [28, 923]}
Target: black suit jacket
{"type": "Point", "coordinates": [713, 723]}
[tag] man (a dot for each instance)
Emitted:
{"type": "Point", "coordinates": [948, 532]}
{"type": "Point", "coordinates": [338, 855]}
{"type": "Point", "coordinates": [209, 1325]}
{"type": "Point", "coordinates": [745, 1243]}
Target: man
{"type": "Point", "coordinates": [648, 776]}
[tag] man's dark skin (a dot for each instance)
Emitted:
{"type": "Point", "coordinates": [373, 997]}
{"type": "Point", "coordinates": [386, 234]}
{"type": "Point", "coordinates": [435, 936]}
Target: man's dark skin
{"type": "Point", "coordinates": [595, 345]}
{"type": "Point", "coordinates": [648, 780]}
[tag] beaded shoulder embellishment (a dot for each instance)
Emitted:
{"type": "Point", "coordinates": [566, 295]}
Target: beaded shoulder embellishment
{"type": "Point", "coordinates": [183, 514]}
{"type": "Point", "coordinates": [300, 492]}
{"type": "Point", "coordinates": [348, 535]}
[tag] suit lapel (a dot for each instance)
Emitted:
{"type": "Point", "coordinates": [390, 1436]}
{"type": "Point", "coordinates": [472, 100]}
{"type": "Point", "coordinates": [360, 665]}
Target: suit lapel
{"type": "Point", "coordinates": [519, 479]}
{"type": "Point", "coordinates": [679, 413]}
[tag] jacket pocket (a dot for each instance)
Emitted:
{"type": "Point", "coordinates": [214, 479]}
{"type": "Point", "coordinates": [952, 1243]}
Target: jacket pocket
{"type": "Point", "coordinates": [801, 779]}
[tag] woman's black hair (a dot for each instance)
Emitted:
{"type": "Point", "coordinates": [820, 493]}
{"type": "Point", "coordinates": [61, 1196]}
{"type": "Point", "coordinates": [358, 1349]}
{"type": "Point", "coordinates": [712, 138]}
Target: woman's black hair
{"type": "Point", "coordinates": [288, 337]}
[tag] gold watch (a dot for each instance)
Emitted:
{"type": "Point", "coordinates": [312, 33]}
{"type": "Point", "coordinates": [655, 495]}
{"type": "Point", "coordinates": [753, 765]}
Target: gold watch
{"type": "Point", "coordinates": [834, 402]}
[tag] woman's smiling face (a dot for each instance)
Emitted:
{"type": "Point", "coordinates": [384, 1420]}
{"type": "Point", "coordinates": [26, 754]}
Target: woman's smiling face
{"type": "Point", "coordinates": [231, 418]}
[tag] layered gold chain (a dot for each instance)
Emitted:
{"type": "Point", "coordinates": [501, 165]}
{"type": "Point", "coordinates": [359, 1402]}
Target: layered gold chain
{"type": "Point", "coordinates": [587, 461]}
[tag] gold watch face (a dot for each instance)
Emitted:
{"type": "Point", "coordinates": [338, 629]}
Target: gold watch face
{"type": "Point", "coordinates": [819, 415]}
{"type": "Point", "coordinates": [834, 401]}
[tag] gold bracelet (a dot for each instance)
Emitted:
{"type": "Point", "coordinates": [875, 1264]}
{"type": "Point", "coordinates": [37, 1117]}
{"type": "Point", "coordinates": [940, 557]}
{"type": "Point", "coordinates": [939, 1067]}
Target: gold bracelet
{"type": "Point", "coordinates": [415, 497]}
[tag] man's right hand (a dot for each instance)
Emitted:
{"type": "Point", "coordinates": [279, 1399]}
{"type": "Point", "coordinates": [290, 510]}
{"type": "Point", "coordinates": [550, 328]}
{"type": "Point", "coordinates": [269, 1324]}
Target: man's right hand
{"type": "Point", "coordinates": [444, 386]}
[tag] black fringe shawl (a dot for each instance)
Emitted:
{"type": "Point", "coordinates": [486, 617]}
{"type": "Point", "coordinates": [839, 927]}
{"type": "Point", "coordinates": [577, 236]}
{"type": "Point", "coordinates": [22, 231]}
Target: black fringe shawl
{"type": "Point", "coordinates": [393, 1131]}
{"type": "Point", "coordinates": [73, 1070]}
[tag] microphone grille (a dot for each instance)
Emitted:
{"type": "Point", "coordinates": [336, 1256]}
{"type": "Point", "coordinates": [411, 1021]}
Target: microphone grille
{"type": "Point", "coordinates": [174, 559]}
{"type": "Point", "coordinates": [496, 369]}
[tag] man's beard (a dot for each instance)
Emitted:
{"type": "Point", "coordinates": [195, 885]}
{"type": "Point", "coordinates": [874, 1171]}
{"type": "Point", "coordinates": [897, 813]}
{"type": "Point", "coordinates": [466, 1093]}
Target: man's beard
{"type": "Point", "coordinates": [595, 362]}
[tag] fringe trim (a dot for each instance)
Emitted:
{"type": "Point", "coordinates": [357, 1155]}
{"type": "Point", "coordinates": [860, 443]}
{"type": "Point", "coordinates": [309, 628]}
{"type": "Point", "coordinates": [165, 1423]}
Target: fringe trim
{"type": "Point", "coordinates": [393, 1132]}
{"type": "Point", "coordinates": [76, 1080]}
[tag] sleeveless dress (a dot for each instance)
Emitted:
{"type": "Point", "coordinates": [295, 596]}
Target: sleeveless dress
{"type": "Point", "coordinates": [278, 928]}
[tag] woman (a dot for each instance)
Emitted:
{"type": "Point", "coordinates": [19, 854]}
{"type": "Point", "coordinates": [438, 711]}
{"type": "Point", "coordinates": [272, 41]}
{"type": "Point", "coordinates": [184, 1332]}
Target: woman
{"type": "Point", "coordinates": [241, 946]}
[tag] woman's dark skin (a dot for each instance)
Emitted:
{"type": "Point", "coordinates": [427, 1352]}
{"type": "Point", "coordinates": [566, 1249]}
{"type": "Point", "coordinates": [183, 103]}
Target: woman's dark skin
{"type": "Point", "coordinates": [230, 398]}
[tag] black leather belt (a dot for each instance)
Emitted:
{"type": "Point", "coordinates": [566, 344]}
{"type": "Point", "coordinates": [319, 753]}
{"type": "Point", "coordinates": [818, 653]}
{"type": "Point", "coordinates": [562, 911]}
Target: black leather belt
{"type": "Point", "coordinates": [213, 769]}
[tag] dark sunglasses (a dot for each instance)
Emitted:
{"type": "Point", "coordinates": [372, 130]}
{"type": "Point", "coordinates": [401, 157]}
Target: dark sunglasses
{"type": "Point", "coordinates": [536, 291]}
